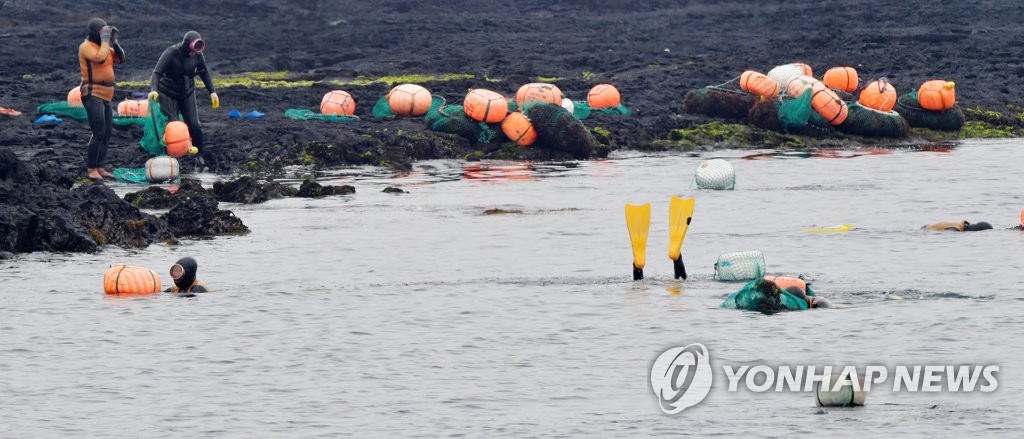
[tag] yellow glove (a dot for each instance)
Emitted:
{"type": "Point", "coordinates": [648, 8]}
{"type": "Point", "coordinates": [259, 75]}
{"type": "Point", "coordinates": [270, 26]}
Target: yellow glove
{"type": "Point", "coordinates": [153, 95]}
{"type": "Point", "coordinates": [214, 101]}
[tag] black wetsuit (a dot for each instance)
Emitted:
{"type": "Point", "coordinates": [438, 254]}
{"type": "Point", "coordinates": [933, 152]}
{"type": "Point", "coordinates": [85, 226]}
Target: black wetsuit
{"type": "Point", "coordinates": [174, 79]}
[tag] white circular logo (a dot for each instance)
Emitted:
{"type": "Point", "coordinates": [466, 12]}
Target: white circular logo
{"type": "Point", "coordinates": [681, 377]}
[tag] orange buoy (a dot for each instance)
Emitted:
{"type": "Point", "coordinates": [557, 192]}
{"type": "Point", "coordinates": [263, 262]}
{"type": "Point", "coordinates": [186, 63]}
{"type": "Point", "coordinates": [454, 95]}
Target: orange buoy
{"type": "Point", "coordinates": [827, 103]}
{"type": "Point", "coordinates": [129, 279]}
{"type": "Point", "coordinates": [842, 78]}
{"type": "Point", "coordinates": [133, 108]}
{"type": "Point", "coordinates": [409, 100]}
{"type": "Point", "coordinates": [603, 96]}
{"type": "Point", "coordinates": [519, 129]}
{"type": "Point", "coordinates": [937, 95]}
{"type": "Point", "coordinates": [338, 103]}
{"type": "Point", "coordinates": [784, 282]}
{"type": "Point", "coordinates": [798, 85]}
{"type": "Point", "coordinates": [878, 94]}
{"type": "Point", "coordinates": [806, 68]}
{"type": "Point", "coordinates": [759, 84]}
{"type": "Point", "coordinates": [538, 92]}
{"type": "Point", "coordinates": [177, 138]}
{"type": "Point", "coordinates": [485, 105]}
{"type": "Point", "coordinates": [75, 97]}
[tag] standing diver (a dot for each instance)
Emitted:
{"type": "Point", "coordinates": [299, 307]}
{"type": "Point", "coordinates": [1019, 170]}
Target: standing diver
{"type": "Point", "coordinates": [183, 273]}
{"type": "Point", "coordinates": [173, 83]}
{"type": "Point", "coordinates": [97, 56]}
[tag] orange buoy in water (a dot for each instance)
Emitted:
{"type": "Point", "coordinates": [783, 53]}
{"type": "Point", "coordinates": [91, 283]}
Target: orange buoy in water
{"type": "Point", "coordinates": [827, 103]}
{"type": "Point", "coordinates": [878, 94]}
{"type": "Point", "coordinates": [603, 96]}
{"type": "Point", "coordinates": [937, 95]}
{"type": "Point", "coordinates": [338, 103]}
{"type": "Point", "coordinates": [519, 129]}
{"type": "Point", "coordinates": [409, 100]}
{"type": "Point", "coordinates": [129, 279]}
{"type": "Point", "coordinates": [485, 106]}
{"type": "Point", "coordinates": [842, 78]}
{"type": "Point", "coordinates": [759, 84]}
{"type": "Point", "coordinates": [75, 97]}
{"type": "Point", "coordinates": [177, 138]}
{"type": "Point", "coordinates": [538, 92]}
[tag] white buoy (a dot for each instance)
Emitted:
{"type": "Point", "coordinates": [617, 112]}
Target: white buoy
{"type": "Point", "coordinates": [784, 73]}
{"type": "Point", "coordinates": [162, 168]}
{"type": "Point", "coordinates": [744, 265]}
{"type": "Point", "coordinates": [715, 174]}
{"type": "Point", "coordinates": [568, 105]}
{"type": "Point", "coordinates": [839, 391]}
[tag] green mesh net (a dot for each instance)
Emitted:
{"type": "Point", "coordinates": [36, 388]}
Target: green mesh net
{"type": "Point", "coordinates": [131, 175]}
{"type": "Point", "coordinates": [948, 120]}
{"type": "Point", "coordinates": [742, 265]}
{"type": "Point", "coordinates": [864, 121]}
{"type": "Point", "coordinates": [153, 130]}
{"type": "Point", "coordinates": [61, 108]}
{"type": "Point", "coordinates": [764, 296]}
{"type": "Point", "coordinates": [382, 109]}
{"type": "Point", "coordinates": [303, 114]}
{"type": "Point", "coordinates": [719, 102]}
{"type": "Point", "coordinates": [558, 129]}
{"type": "Point", "coordinates": [795, 114]}
{"type": "Point", "coordinates": [582, 110]}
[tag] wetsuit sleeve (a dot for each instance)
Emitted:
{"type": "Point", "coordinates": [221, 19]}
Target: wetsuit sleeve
{"type": "Point", "coordinates": [119, 55]}
{"type": "Point", "coordinates": [198, 289]}
{"type": "Point", "coordinates": [205, 74]}
{"type": "Point", "coordinates": [90, 53]}
{"type": "Point", "coordinates": [158, 71]}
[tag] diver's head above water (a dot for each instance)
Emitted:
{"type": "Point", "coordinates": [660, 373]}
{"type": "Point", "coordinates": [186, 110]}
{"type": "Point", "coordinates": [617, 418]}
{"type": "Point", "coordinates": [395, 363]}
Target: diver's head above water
{"type": "Point", "coordinates": [184, 272]}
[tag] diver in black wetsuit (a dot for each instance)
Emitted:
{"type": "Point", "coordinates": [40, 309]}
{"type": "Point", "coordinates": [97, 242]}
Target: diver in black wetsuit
{"type": "Point", "coordinates": [958, 226]}
{"type": "Point", "coordinates": [183, 273]}
{"type": "Point", "coordinates": [173, 83]}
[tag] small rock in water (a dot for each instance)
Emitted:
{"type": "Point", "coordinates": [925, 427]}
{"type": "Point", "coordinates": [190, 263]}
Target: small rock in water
{"type": "Point", "coordinates": [394, 190]}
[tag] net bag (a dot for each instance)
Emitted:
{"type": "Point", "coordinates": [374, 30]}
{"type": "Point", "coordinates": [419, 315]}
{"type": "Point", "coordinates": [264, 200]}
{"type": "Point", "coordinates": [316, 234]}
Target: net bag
{"type": "Point", "coordinates": [946, 120]}
{"type": "Point", "coordinates": [764, 296]}
{"type": "Point", "coordinates": [719, 102]}
{"type": "Point", "coordinates": [61, 108]}
{"type": "Point", "coordinates": [868, 122]}
{"type": "Point", "coordinates": [715, 174]}
{"type": "Point", "coordinates": [743, 265]}
{"type": "Point", "coordinates": [558, 129]}
{"type": "Point", "coordinates": [304, 114]}
{"type": "Point", "coordinates": [153, 130]}
{"type": "Point", "coordinates": [452, 119]}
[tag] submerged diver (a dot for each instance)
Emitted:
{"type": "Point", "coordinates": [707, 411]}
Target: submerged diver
{"type": "Point", "coordinates": [958, 226]}
{"type": "Point", "coordinates": [173, 83]}
{"type": "Point", "coordinates": [771, 294]}
{"type": "Point", "coordinates": [183, 273]}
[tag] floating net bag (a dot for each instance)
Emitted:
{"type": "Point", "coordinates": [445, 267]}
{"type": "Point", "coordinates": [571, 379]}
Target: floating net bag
{"type": "Point", "coordinates": [946, 120]}
{"type": "Point", "coordinates": [715, 174]}
{"type": "Point", "coordinates": [743, 265]}
{"type": "Point", "coordinates": [764, 296]}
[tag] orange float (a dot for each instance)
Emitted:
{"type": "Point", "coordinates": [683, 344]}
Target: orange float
{"type": "Point", "coordinates": [75, 97]}
{"type": "Point", "coordinates": [519, 129]}
{"type": "Point", "coordinates": [603, 96]}
{"type": "Point", "coordinates": [133, 108]}
{"type": "Point", "coordinates": [538, 92]}
{"type": "Point", "coordinates": [338, 103]}
{"type": "Point", "coordinates": [409, 100]}
{"type": "Point", "coordinates": [878, 94]}
{"type": "Point", "coordinates": [842, 78]}
{"type": "Point", "coordinates": [806, 68]}
{"type": "Point", "coordinates": [798, 85]}
{"type": "Point", "coordinates": [759, 84]}
{"type": "Point", "coordinates": [485, 106]}
{"type": "Point", "coordinates": [784, 282]}
{"type": "Point", "coordinates": [827, 103]}
{"type": "Point", "coordinates": [937, 95]}
{"type": "Point", "coordinates": [177, 138]}
{"type": "Point", "coordinates": [129, 279]}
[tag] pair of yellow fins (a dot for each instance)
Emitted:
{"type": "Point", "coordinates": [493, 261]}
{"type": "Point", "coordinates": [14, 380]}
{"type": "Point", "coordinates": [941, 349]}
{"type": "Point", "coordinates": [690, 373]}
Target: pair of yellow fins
{"type": "Point", "coordinates": [638, 221]}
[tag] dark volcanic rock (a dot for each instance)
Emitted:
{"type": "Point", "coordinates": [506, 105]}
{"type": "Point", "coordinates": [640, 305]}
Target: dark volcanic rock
{"type": "Point", "coordinates": [198, 216]}
{"type": "Point", "coordinates": [249, 191]}
{"type": "Point", "coordinates": [312, 189]}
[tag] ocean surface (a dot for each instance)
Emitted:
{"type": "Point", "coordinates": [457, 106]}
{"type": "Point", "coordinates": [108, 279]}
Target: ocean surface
{"type": "Point", "coordinates": [496, 300]}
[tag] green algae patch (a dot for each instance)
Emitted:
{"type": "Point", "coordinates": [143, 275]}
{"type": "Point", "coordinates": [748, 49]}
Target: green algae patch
{"type": "Point", "coordinates": [732, 134]}
{"type": "Point", "coordinates": [978, 129]}
{"type": "Point", "coordinates": [402, 79]}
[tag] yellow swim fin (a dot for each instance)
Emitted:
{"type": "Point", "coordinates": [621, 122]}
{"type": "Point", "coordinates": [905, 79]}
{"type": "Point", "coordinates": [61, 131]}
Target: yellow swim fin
{"type": "Point", "coordinates": [834, 229]}
{"type": "Point", "coordinates": [638, 221]}
{"type": "Point", "coordinates": [680, 213]}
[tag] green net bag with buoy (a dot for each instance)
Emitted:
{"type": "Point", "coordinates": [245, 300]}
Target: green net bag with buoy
{"type": "Point", "coordinates": [719, 102]}
{"type": "Point", "coordinates": [452, 119]}
{"type": "Point", "coordinates": [946, 120]}
{"type": "Point", "coordinates": [742, 265]}
{"type": "Point", "coordinates": [153, 130]}
{"type": "Point", "coordinates": [558, 129]}
{"type": "Point", "coordinates": [764, 296]}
